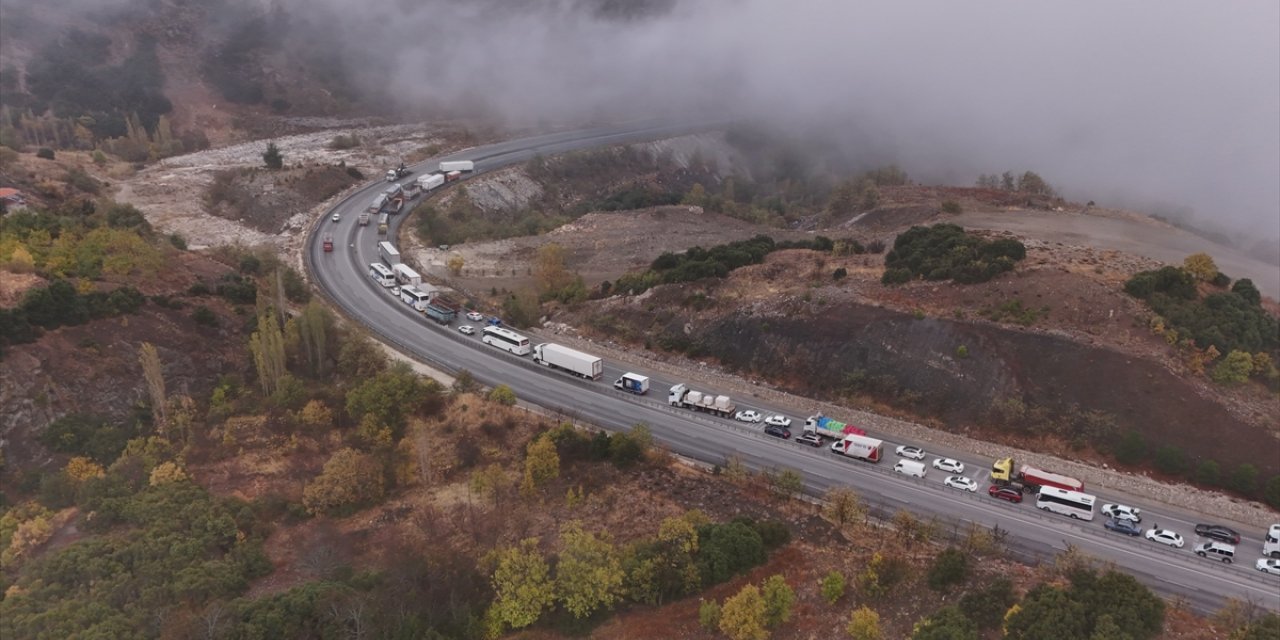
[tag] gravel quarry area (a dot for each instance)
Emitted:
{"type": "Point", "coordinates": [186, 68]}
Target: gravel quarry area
{"type": "Point", "coordinates": [173, 192]}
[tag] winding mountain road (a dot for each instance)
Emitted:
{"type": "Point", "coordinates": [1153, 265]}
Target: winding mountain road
{"type": "Point", "coordinates": [342, 277]}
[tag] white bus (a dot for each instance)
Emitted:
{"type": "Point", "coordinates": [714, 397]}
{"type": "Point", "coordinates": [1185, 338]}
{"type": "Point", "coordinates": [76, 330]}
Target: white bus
{"type": "Point", "coordinates": [406, 275]}
{"type": "Point", "coordinates": [504, 338]}
{"type": "Point", "coordinates": [381, 274]}
{"type": "Point", "coordinates": [1068, 503]}
{"type": "Point", "coordinates": [388, 253]}
{"type": "Point", "coordinates": [414, 298]}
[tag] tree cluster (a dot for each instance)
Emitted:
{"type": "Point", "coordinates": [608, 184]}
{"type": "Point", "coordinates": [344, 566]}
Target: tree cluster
{"type": "Point", "coordinates": [1231, 320]}
{"type": "Point", "coordinates": [1029, 183]}
{"type": "Point", "coordinates": [946, 252]}
{"type": "Point", "coordinates": [57, 305]}
{"type": "Point", "coordinates": [698, 263]}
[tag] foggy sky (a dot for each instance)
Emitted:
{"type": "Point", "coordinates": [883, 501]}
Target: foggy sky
{"type": "Point", "coordinates": [1159, 105]}
{"type": "Point", "coordinates": [1131, 103]}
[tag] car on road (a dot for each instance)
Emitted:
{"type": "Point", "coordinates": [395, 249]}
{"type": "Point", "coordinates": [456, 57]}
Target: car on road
{"type": "Point", "coordinates": [778, 421]}
{"type": "Point", "coordinates": [1217, 550]}
{"type": "Point", "coordinates": [475, 316]}
{"type": "Point", "coordinates": [1121, 512]}
{"type": "Point", "coordinates": [747, 415]}
{"type": "Point", "coordinates": [467, 329]}
{"type": "Point", "coordinates": [336, 216]}
{"type": "Point", "coordinates": [1005, 493]}
{"type": "Point", "coordinates": [811, 439]}
{"type": "Point", "coordinates": [1268, 565]}
{"type": "Point", "coordinates": [1165, 536]}
{"type": "Point", "coordinates": [1122, 526]}
{"type": "Point", "coordinates": [948, 465]}
{"type": "Point", "coordinates": [1218, 532]}
{"type": "Point", "coordinates": [395, 292]}
{"type": "Point", "coordinates": [962, 483]}
{"type": "Point", "coordinates": [778, 432]}
{"type": "Point", "coordinates": [907, 451]}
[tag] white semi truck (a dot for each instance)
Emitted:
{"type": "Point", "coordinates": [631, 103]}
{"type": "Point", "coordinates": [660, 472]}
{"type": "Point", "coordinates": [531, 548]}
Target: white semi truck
{"type": "Point", "coordinates": [684, 397]}
{"type": "Point", "coordinates": [571, 360]}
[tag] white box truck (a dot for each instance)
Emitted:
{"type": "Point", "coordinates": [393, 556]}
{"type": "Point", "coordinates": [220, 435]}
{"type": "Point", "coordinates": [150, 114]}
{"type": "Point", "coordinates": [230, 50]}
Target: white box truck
{"type": "Point", "coordinates": [430, 181]}
{"type": "Point", "coordinates": [633, 382]}
{"type": "Point", "coordinates": [406, 275]}
{"type": "Point", "coordinates": [860, 447]}
{"type": "Point", "coordinates": [457, 165]}
{"type": "Point", "coordinates": [388, 253]}
{"type": "Point", "coordinates": [571, 360]}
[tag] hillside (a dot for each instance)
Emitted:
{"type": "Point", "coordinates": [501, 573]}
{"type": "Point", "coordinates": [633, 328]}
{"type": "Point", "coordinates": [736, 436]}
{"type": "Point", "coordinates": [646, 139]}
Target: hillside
{"type": "Point", "coordinates": [305, 489]}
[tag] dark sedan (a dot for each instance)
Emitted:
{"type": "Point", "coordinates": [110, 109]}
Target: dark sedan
{"type": "Point", "coordinates": [1123, 526]}
{"type": "Point", "coordinates": [1218, 532]}
{"type": "Point", "coordinates": [777, 432]}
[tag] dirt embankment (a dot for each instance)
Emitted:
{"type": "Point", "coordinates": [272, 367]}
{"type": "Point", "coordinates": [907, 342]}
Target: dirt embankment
{"type": "Point", "coordinates": [94, 369]}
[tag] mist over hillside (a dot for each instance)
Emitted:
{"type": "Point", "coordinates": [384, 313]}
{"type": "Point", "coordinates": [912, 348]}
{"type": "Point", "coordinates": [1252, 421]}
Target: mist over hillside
{"type": "Point", "coordinates": [1167, 107]}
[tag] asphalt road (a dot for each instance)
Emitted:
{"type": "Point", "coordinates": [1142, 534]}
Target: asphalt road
{"type": "Point", "coordinates": [1035, 535]}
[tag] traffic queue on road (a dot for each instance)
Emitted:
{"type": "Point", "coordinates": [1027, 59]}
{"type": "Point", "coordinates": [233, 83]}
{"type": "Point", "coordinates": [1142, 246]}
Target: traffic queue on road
{"type": "Point", "coordinates": [1049, 491]}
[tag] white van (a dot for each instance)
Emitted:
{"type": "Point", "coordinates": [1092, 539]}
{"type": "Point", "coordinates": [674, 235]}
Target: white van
{"type": "Point", "coordinates": [911, 468]}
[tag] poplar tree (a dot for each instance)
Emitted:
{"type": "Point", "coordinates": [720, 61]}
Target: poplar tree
{"type": "Point", "coordinates": [154, 375]}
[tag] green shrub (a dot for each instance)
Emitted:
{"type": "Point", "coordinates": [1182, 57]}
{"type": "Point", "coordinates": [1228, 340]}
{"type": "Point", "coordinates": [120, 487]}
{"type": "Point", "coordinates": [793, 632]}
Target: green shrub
{"type": "Point", "coordinates": [1271, 494]}
{"type": "Point", "coordinates": [503, 395]}
{"type": "Point", "coordinates": [896, 276]}
{"type": "Point", "coordinates": [1245, 479]}
{"type": "Point", "coordinates": [833, 585]}
{"type": "Point", "coordinates": [949, 567]}
{"type": "Point", "coordinates": [840, 274]}
{"type": "Point", "coordinates": [1171, 460]}
{"type": "Point", "coordinates": [1229, 321]}
{"type": "Point", "coordinates": [951, 206]}
{"type": "Point", "coordinates": [179, 242]}
{"type": "Point", "coordinates": [45, 153]}
{"type": "Point", "coordinates": [987, 607]}
{"type": "Point", "coordinates": [1132, 448]}
{"type": "Point", "coordinates": [1208, 473]}
{"type": "Point", "coordinates": [1233, 369]}
{"type": "Point", "coordinates": [204, 317]}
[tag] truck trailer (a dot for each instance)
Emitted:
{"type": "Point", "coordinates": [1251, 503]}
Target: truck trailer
{"type": "Point", "coordinates": [441, 310]}
{"type": "Point", "coordinates": [384, 222]}
{"type": "Point", "coordinates": [571, 360]}
{"type": "Point", "coordinates": [1029, 479]}
{"type": "Point", "coordinates": [826, 427]}
{"type": "Point", "coordinates": [860, 447]}
{"type": "Point", "coordinates": [457, 165]}
{"type": "Point", "coordinates": [684, 397]}
{"type": "Point", "coordinates": [406, 275]}
{"type": "Point", "coordinates": [388, 253]}
{"type": "Point", "coordinates": [633, 382]}
{"type": "Point", "coordinates": [430, 181]}
{"type": "Point", "coordinates": [363, 220]}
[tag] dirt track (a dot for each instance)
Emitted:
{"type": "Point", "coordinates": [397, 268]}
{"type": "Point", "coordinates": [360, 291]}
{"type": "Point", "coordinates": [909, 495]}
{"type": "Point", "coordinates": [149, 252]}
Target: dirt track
{"type": "Point", "coordinates": [1146, 238]}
